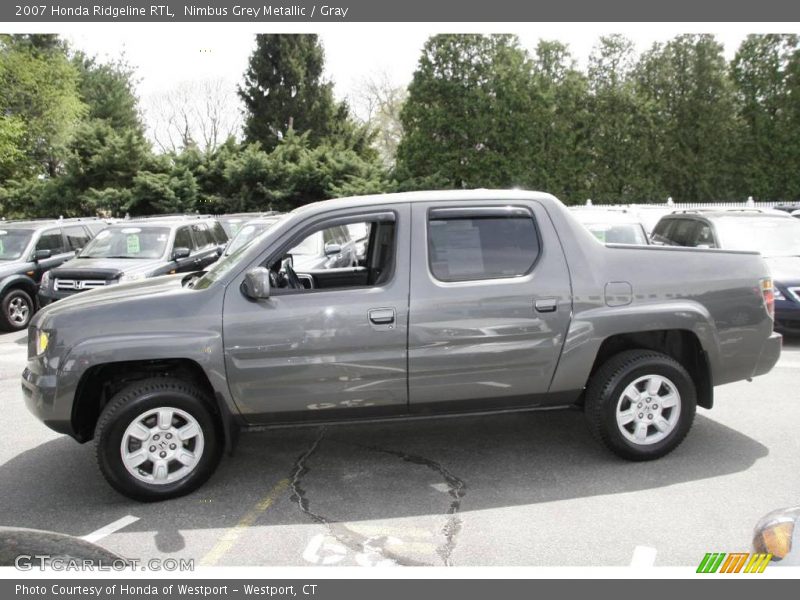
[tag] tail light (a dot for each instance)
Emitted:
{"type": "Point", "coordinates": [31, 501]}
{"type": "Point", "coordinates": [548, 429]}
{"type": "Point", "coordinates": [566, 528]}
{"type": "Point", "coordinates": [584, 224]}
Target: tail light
{"type": "Point", "coordinates": [768, 293]}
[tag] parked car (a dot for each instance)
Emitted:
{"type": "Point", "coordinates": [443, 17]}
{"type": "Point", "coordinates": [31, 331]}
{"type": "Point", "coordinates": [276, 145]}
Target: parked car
{"type": "Point", "coordinates": [776, 237]}
{"type": "Point", "coordinates": [28, 250]}
{"type": "Point", "coordinates": [136, 249]}
{"type": "Point", "coordinates": [231, 223]}
{"type": "Point", "coordinates": [249, 231]}
{"type": "Point", "coordinates": [612, 225]}
{"type": "Point", "coordinates": [467, 301]}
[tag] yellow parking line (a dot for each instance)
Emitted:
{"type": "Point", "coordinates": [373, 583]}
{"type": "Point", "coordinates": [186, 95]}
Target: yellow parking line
{"type": "Point", "coordinates": [227, 541]}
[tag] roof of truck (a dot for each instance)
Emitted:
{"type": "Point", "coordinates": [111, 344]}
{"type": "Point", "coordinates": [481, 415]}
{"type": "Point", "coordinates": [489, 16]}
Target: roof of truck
{"type": "Point", "coordinates": [428, 196]}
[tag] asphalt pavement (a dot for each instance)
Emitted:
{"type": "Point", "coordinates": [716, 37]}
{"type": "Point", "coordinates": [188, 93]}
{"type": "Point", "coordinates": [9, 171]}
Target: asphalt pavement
{"type": "Point", "coordinates": [528, 489]}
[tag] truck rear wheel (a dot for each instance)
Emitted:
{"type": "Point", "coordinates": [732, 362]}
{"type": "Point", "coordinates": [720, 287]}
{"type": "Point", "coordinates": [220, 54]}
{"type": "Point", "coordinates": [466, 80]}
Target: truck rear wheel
{"type": "Point", "coordinates": [157, 439]}
{"type": "Point", "coordinates": [641, 404]}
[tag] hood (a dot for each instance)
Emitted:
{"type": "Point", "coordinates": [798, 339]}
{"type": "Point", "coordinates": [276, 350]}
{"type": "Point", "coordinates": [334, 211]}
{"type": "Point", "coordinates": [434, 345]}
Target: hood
{"type": "Point", "coordinates": [10, 267]}
{"type": "Point", "coordinates": [153, 289]}
{"type": "Point", "coordinates": [784, 269]}
{"type": "Point", "coordinates": [104, 268]}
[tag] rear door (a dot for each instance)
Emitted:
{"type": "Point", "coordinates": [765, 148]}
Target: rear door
{"type": "Point", "coordinates": [490, 304]}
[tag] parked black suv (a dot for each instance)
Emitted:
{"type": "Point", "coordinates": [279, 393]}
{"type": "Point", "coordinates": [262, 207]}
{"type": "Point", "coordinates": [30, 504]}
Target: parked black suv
{"type": "Point", "coordinates": [135, 249]}
{"type": "Point", "coordinates": [29, 249]}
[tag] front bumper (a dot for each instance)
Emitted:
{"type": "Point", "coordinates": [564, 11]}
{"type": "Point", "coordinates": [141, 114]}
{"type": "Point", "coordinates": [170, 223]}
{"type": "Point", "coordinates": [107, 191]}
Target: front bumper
{"type": "Point", "coordinates": [48, 397]}
{"type": "Point", "coordinates": [49, 296]}
{"type": "Point", "coordinates": [770, 353]}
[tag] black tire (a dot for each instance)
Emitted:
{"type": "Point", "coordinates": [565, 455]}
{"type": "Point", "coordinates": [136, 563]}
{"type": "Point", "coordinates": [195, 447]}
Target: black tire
{"type": "Point", "coordinates": [16, 301]}
{"type": "Point", "coordinates": [605, 392]}
{"type": "Point", "coordinates": [138, 399]}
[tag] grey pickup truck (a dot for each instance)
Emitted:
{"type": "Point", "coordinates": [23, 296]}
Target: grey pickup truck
{"type": "Point", "coordinates": [463, 302]}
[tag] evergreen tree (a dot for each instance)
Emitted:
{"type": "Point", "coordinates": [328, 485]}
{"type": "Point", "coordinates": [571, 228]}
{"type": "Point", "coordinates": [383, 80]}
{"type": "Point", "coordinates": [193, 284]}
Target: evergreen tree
{"type": "Point", "coordinates": [284, 89]}
{"type": "Point", "coordinates": [466, 119]}
{"type": "Point", "coordinates": [689, 97]}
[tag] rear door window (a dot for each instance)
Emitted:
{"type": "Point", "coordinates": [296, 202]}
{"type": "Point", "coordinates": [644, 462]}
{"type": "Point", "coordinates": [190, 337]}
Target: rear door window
{"type": "Point", "coordinates": [478, 243]}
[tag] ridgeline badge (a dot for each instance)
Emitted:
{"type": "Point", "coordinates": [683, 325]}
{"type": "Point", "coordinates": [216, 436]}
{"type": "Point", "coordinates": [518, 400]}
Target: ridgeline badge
{"type": "Point", "coordinates": [735, 562]}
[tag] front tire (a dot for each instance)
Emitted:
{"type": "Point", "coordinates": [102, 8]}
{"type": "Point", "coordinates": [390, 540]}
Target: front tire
{"type": "Point", "coordinates": [18, 308]}
{"type": "Point", "coordinates": [157, 439]}
{"type": "Point", "coordinates": [641, 404]}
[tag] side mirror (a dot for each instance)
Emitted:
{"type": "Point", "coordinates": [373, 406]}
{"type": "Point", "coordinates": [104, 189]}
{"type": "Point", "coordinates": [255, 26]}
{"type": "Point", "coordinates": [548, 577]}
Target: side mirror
{"type": "Point", "coordinates": [332, 249]}
{"type": "Point", "coordinates": [256, 284]}
{"type": "Point", "coordinates": [42, 254]}
{"type": "Point", "coordinates": [181, 252]}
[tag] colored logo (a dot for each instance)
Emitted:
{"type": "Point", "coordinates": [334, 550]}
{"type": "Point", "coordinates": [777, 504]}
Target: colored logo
{"type": "Point", "coordinates": [734, 562]}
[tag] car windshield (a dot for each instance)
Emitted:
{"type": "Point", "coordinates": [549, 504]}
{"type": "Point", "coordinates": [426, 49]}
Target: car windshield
{"type": "Point", "coordinates": [770, 237]}
{"type": "Point", "coordinates": [618, 233]}
{"type": "Point", "coordinates": [13, 242]}
{"type": "Point", "coordinates": [247, 234]}
{"type": "Point", "coordinates": [128, 242]}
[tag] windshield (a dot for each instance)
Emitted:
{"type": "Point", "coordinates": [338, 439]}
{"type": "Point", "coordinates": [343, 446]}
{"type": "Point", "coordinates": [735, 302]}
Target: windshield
{"type": "Point", "coordinates": [618, 233]}
{"type": "Point", "coordinates": [247, 234]}
{"type": "Point", "coordinates": [128, 242]}
{"type": "Point", "coordinates": [770, 237]}
{"type": "Point", "coordinates": [13, 242]}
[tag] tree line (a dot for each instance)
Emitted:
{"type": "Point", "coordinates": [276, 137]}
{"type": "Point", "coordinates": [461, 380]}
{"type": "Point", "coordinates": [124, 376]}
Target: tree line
{"type": "Point", "coordinates": [677, 120]}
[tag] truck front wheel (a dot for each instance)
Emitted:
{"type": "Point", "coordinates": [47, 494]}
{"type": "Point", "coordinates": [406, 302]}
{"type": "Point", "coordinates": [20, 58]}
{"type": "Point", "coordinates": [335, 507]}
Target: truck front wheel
{"type": "Point", "coordinates": [157, 439]}
{"type": "Point", "coordinates": [641, 404]}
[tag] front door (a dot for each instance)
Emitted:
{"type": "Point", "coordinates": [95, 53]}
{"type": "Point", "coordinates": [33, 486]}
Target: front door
{"type": "Point", "coordinates": [490, 306]}
{"type": "Point", "coordinates": [329, 342]}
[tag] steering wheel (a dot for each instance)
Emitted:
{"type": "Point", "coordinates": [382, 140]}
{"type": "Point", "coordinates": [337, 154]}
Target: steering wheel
{"type": "Point", "coordinates": [291, 278]}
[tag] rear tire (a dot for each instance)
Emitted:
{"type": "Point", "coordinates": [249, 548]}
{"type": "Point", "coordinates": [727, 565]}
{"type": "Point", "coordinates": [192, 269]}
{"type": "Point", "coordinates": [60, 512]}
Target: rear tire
{"type": "Point", "coordinates": [18, 308]}
{"type": "Point", "coordinates": [157, 439]}
{"type": "Point", "coordinates": [641, 404]}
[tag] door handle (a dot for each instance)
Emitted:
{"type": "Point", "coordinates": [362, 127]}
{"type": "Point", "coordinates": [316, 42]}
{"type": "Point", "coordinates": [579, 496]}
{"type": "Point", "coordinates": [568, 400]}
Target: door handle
{"type": "Point", "coordinates": [546, 305]}
{"type": "Point", "coordinates": [381, 316]}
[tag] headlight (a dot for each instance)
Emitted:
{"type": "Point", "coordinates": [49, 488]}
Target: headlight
{"type": "Point", "coordinates": [45, 279]}
{"type": "Point", "coordinates": [127, 277]}
{"type": "Point", "coordinates": [42, 340]}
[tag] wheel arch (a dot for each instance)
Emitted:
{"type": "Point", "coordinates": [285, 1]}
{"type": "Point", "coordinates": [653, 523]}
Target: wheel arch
{"type": "Point", "coordinates": [100, 382]}
{"type": "Point", "coordinates": [681, 344]}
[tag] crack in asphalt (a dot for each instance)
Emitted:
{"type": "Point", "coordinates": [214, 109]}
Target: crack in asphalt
{"type": "Point", "coordinates": [354, 541]}
{"type": "Point", "coordinates": [456, 490]}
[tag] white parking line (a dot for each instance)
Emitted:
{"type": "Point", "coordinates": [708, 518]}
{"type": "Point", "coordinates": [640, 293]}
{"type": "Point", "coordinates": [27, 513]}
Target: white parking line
{"type": "Point", "coordinates": [788, 364]}
{"type": "Point", "coordinates": [643, 556]}
{"type": "Point", "coordinates": [110, 528]}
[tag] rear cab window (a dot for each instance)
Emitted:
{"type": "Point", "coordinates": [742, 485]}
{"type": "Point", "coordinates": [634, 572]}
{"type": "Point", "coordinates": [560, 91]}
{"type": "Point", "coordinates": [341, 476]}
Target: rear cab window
{"type": "Point", "coordinates": [467, 244]}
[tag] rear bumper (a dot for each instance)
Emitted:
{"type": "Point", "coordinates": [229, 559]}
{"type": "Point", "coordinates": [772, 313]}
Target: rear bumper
{"type": "Point", "coordinates": [770, 353]}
